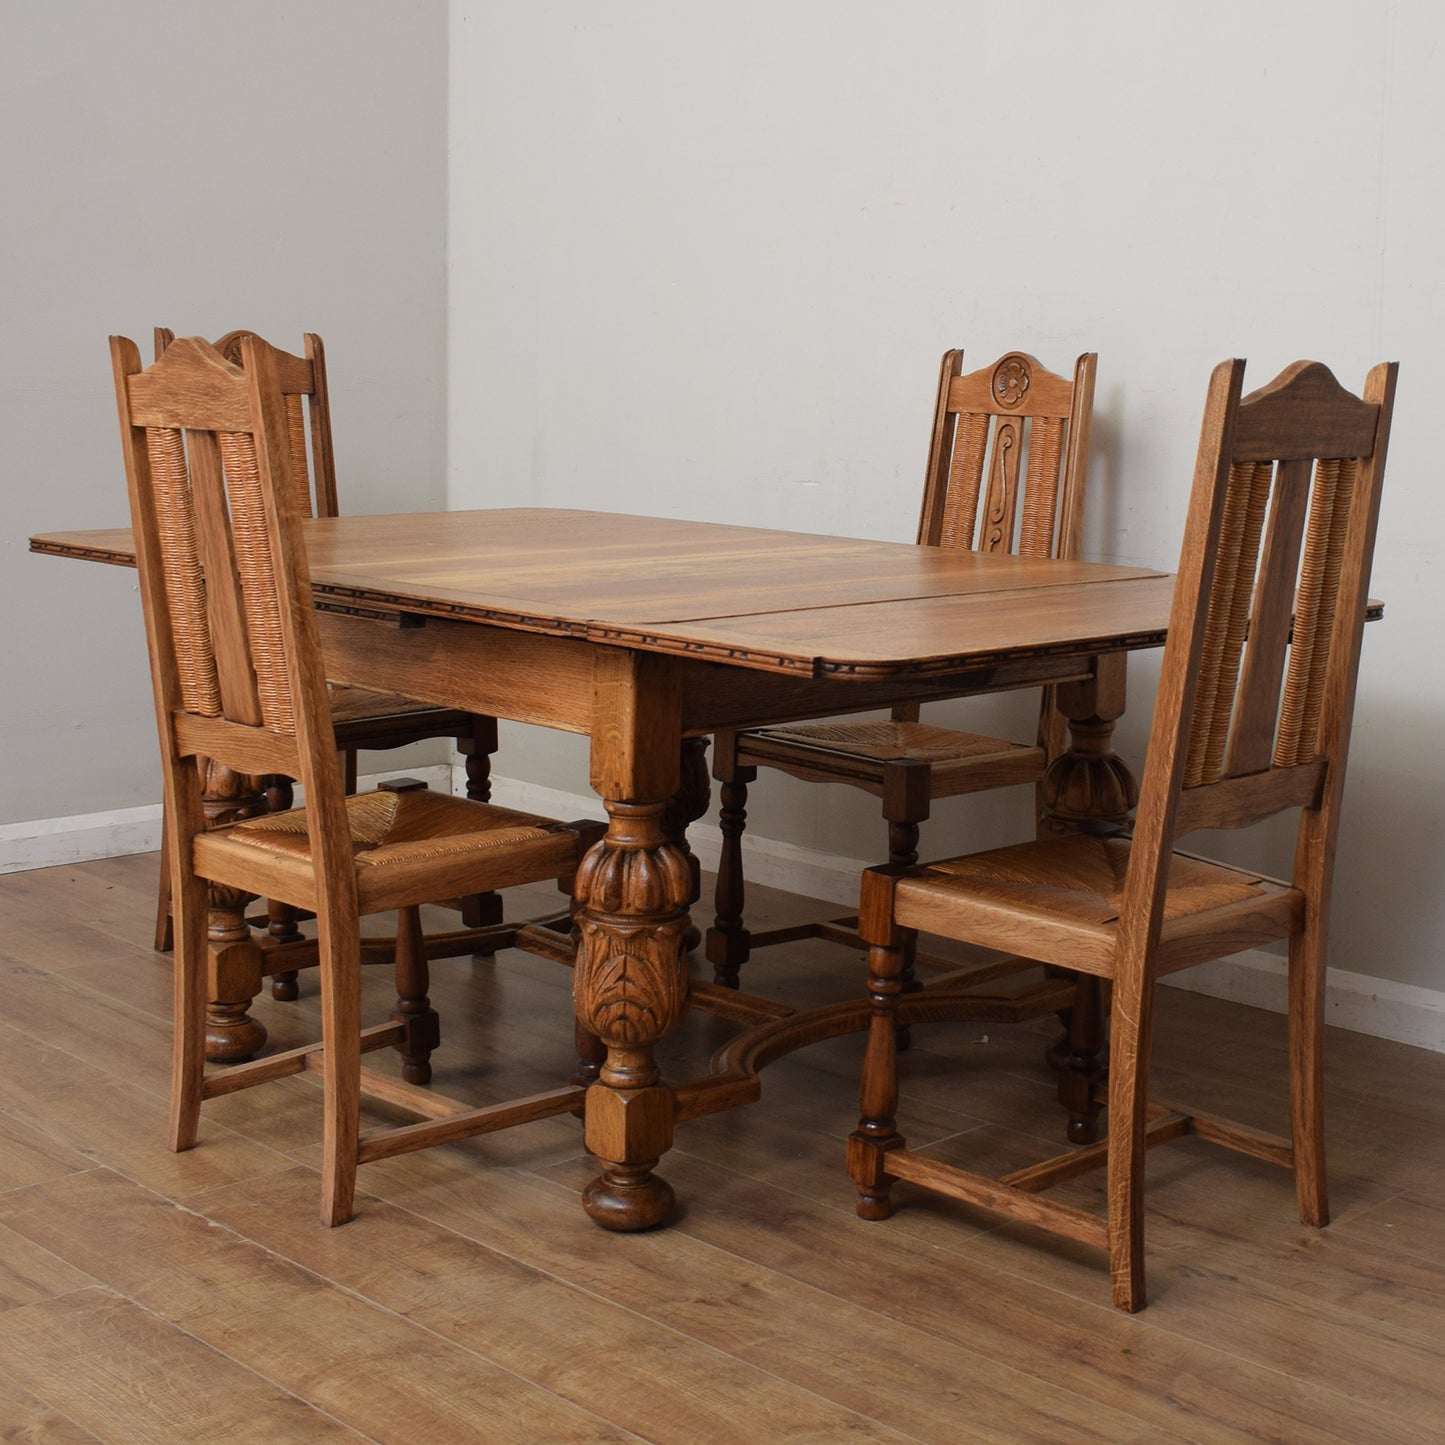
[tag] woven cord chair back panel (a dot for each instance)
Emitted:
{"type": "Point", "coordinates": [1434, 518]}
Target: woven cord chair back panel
{"type": "Point", "coordinates": [214, 482]}
{"type": "Point", "coordinates": [1007, 467]}
{"type": "Point", "coordinates": [308, 416]}
{"type": "Point", "coordinates": [1286, 549]}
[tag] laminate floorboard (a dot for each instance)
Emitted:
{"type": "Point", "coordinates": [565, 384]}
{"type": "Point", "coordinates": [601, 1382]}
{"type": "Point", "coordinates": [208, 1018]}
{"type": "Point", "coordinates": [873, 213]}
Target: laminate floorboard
{"type": "Point", "coordinates": [153, 1297]}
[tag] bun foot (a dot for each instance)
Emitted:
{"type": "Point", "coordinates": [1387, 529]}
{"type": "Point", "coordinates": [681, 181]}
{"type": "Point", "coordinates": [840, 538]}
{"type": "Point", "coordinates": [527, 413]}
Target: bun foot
{"type": "Point", "coordinates": [628, 1199]}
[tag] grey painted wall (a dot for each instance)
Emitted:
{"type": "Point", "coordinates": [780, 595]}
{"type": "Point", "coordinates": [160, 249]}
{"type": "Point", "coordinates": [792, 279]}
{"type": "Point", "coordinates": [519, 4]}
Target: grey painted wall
{"type": "Point", "coordinates": [202, 166]}
{"type": "Point", "coordinates": [704, 261]}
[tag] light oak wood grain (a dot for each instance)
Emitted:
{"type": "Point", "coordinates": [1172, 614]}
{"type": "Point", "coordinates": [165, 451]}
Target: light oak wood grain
{"type": "Point", "coordinates": [151, 1381]}
{"type": "Point", "coordinates": [29, 1273]}
{"type": "Point", "coordinates": [461, 1328]}
{"type": "Point", "coordinates": [458, 1261]}
{"type": "Point", "coordinates": [34, 1421]}
{"type": "Point", "coordinates": [710, 1305]}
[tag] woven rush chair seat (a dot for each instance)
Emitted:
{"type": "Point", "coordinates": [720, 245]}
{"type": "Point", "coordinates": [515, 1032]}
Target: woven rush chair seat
{"type": "Point", "coordinates": [351, 705]}
{"type": "Point", "coordinates": [1072, 889]}
{"type": "Point", "coordinates": [1252, 720]}
{"type": "Point", "coordinates": [889, 741]}
{"type": "Point", "coordinates": [1006, 472]}
{"type": "Point", "coordinates": [395, 838]}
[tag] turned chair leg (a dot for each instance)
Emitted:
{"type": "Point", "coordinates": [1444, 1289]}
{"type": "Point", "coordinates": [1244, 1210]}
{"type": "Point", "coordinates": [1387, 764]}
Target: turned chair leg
{"type": "Point", "coordinates": [1082, 1063]}
{"type": "Point", "coordinates": [877, 1132]}
{"type": "Point", "coordinates": [907, 802]}
{"type": "Point", "coordinates": [413, 1007]}
{"type": "Point", "coordinates": [282, 920]}
{"type": "Point", "coordinates": [728, 941]}
{"type": "Point", "coordinates": [480, 910]}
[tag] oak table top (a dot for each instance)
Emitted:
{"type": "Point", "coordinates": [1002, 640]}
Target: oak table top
{"type": "Point", "coordinates": [745, 596]}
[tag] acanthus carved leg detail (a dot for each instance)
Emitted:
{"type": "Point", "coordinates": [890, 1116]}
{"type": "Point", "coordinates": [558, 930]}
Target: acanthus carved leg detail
{"type": "Point", "coordinates": [629, 989]}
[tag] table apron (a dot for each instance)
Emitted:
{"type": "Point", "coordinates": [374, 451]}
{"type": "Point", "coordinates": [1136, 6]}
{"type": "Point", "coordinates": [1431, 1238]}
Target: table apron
{"type": "Point", "coordinates": [715, 697]}
{"type": "Point", "coordinates": [524, 676]}
{"type": "Point", "coordinates": [549, 680]}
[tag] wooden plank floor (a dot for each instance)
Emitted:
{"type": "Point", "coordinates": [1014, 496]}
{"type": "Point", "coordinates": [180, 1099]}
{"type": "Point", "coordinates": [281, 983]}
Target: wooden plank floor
{"type": "Point", "coordinates": [151, 1297]}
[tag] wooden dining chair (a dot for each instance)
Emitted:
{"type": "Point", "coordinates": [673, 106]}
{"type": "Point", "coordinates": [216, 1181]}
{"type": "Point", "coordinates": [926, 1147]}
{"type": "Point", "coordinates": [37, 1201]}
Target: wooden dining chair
{"type": "Point", "coordinates": [365, 720]}
{"type": "Point", "coordinates": [238, 679]}
{"type": "Point", "coordinates": [1252, 719]}
{"type": "Point", "coordinates": [1006, 472]}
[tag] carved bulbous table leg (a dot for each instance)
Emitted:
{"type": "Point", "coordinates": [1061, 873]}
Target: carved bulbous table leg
{"type": "Point", "coordinates": [232, 1035]}
{"type": "Point", "coordinates": [1088, 789]}
{"type": "Point", "coordinates": [629, 989]}
{"type": "Point", "coordinates": [480, 910]}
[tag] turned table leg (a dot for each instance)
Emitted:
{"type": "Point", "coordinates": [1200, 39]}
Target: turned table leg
{"type": "Point", "coordinates": [1089, 787]}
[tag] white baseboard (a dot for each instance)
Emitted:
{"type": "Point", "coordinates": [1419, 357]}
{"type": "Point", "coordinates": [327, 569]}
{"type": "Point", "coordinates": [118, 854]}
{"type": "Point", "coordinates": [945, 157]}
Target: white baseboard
{"type": "Point", "coordinates": [48, 842]}
{"type": "Point", "coordinates": [1377, 1006]}
{"type": "Point", "coordinates": [51, 842]}
{"type": "Point", "coordinates": [766, 861]}
{"type": "Point", "coordinates": [1356, 1001]}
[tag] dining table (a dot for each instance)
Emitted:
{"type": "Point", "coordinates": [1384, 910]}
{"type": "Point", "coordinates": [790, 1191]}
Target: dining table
{"type": "Point", "coordinates": [647, 635]}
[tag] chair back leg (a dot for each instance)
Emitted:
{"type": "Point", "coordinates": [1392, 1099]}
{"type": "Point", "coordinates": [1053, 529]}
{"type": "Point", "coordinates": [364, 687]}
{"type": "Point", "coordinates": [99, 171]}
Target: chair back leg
{"type": "Point", "coordinates": [339, 941]}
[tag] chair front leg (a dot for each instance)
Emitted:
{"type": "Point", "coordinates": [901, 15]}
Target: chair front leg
{"type": "Point", "coordinates": [413, 1007]}
{"type": "Point", "coordinates": [877, 1132]}
{"type": "Point", "coordinates": [907, 802]}
{"type": "Point", "coordinates": [728, 941]}
{"type": "Point", "coordinates": [1082, 1065]}
{"type": "Point", "coordinates": [480, 910]}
